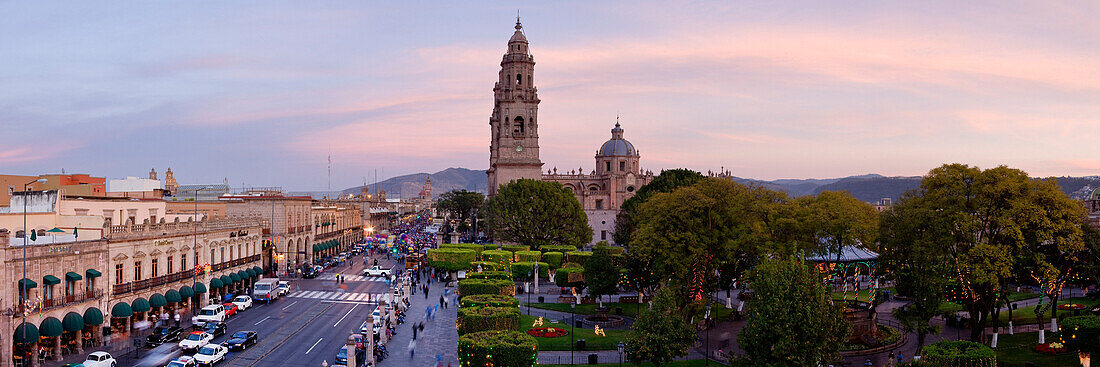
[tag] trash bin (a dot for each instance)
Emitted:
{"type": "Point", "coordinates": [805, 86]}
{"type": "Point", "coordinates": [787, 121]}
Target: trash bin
{"type": "Point", "coordinates": [593, 358]}
{"type": "Point", "coordinates": [542, 299]}
{"type": "Point", "coordinates": [580, 344]}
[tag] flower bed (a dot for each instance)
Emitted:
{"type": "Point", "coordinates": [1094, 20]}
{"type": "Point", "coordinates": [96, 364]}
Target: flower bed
{"type": "Point", "coordinates": [1071, 306]}
{"type": "Point", "coordinates": [547, 332]}
{"type": "Point", "coordinates": [1051, 348]}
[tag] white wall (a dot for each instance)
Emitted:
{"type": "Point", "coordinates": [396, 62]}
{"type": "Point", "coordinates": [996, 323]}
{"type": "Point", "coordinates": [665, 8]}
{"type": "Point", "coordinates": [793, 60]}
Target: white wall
{"type": "Point", "coordinates": [133, 184]}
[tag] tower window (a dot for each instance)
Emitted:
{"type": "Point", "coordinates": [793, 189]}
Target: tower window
{"type": "Point", "coordinates": [599, 204]}
{"type": "Point", "coordinates": [517, 125]}
{"type": "Point", "coordinates": [607, 166]}
{"type": "Point", "coordinates": [519, 79]}
{"type": "Point", "coordinates": [622, 166]}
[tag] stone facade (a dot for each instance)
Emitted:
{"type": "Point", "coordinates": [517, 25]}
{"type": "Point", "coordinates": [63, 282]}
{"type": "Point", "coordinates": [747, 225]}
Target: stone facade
{"type": "Point", "coordinates": [332, 221]}
{"type": "Point", "coordinates": [514, 150]}
{"type": "Point", "coordinates": [288, 227]}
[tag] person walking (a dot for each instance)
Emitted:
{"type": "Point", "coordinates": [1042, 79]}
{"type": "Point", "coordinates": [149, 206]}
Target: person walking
{"type": "Point", "coordinates": [445, 302]}
{"type": "Point", "coordinates": [414, 331]}
{"type": "Point", "coordinates": [412, 348]}
{"type": "Point", "coordinates": [441, 300]}
{"type": "Point", "coordinates": [177, 318]}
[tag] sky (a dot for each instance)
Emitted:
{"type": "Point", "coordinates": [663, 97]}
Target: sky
{"type": "Point", "coordinates": [263, 92]}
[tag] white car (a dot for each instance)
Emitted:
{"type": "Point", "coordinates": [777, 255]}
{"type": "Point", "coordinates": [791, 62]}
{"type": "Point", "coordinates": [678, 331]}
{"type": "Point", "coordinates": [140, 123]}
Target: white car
{"type": "Point", "coordinates": [99, 359]}
{"type": "Point", "coordinates": [210, 354]}
{"type": "Point", "coordinates": [284, 288]}
{"type": "Point", "coordinates": [375, 271]}
{"type": "Point", "coordinates": [182, 361]}
{"type": "Point", "coordinates": [196, 340]}
{"type": "Point", "coordinates": [243, 302]}
{"type": "Point", "coordinates": [209, 313]}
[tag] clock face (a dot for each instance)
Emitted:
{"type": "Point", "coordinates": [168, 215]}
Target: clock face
{"type": "Point", "coordinates": [519, 148]}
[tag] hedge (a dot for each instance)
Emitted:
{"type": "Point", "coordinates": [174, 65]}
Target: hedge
{"type": "Point", "coordinates": [553, 259]}
{"type": "Point", "coordinates": [579, 257]}
{"type": "Point", "coordinates": [451, 259]}
{"type": "Point", "coordinates": [501, 257]}
{"type": "Point", "coordinates": [558, 248]}
{"type": "Point", "coordinates": [521, 270]}
{"type": "Point", "coordinates": [959, 354]}
{"type": "Point", "coordinates": [1081, 332]}
{"type": "Point", "coordinates": [515, 248]}
{"type": "Point", "coordinates": [485, 265]}
{"type": "Point", "coordinates": [469, 287]}
{"type": "Point", "coordinates": [477, 319]}
{"type": "Point", "coordinates": [498, 349]}
{"type": "Point", "coordinates": [468, 246]}
{"type": "Point", "coordinates": [490, 274]}
{"type": "Point", "coordinates": [569, 277]}
{"type": "Point", "coordinates": [528, 256]}
{"type": "Point", "coordinates": [491, 246]}
{"type": "Point", "coordinates": [489, 300]}
{"type": "Point", "coordinates": [615, 250]}
{"type": "Point", "coordinates": [572, 265]}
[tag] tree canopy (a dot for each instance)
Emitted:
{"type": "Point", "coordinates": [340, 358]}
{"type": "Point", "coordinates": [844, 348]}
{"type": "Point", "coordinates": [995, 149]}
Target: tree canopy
{"type": "Point", "coordinates": [537, 213]}
{"type": "Point", "coordinates": [660, 333]}
{"type": "Point", "coordinates": [666, 181]}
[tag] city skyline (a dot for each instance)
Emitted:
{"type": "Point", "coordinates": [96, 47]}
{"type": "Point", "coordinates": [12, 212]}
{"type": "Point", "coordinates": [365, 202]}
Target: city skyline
{"type": "Point", "coordinates": [264, 94]}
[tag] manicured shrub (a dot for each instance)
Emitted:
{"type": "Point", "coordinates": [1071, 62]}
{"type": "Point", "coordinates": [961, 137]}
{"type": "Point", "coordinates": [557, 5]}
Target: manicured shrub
{"type": "Point", "coordinates": [522, 271]}
{"type": "Point", "coordinates": [958, 354]}
{"type": "Point", "coordinates": [491, 246]}
{"type": "Point", "coordinates": [528, 256]}
{"type": "Point", "coordinates": [489, 300]}
{"type": "Point", "coordinates": [1081, 332]}
{"type": "Point", "coordinates": [515, 248]}
{"type": "Point", "coordinates": [572, 265]}
{"type": "Point", "coordinates": [485, 266]}
{"type": "Point", "coordinates": [553, 259]}
{"type": "Point", "coordinates": [579, 257]}
{"type": "Point", "coordinates": [450, 259]}
{"type": "Point", "coordinates": [500, 257]}
{"type": "Point", "coordinates": [468, 246]}
{"type": "Point", "coordinates": [558, 248]}
{"type": "Point", "coordinates": [498, 349]}
{"type": "Point", "coordinates": [470, 287]}
{"type": "Point", "coordinates": [569, 277]}
{"type": "Point", "coordinates": [615, 250]}
{"type": "Point", "coordinates": [477, 319]}
{"type": "Point", "coordinates": [490, 274]}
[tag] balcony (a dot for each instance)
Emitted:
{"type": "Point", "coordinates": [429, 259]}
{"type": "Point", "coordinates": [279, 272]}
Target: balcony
{"type": "Point", "coordinates": [139, 285]}
{"type": "Point", "coordinates": [59, 302]}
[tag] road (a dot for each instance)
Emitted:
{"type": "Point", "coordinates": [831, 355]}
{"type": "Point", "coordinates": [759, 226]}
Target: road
{"type": "Point", "coordinates": [303, 328]}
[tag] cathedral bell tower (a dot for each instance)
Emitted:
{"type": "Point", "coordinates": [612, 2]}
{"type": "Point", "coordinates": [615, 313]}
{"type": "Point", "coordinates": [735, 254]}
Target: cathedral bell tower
{"type": "Point", "coordinates": [514, 151]}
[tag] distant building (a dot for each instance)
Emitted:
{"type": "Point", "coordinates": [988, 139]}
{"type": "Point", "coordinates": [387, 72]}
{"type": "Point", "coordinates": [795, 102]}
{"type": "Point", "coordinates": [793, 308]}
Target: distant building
{"type": "Point", "coordinates": [211, 192]}
{"type": "Point", "coordinates": [134, 187]}
{"type": "Point", "coordinates": [76, 185]}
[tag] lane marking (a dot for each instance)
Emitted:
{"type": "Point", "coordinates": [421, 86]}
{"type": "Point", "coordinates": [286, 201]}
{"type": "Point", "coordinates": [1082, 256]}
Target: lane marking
{"type": "Point", "coordinates": [314, 345]}
{"type": "Point", "coordinates": [345, 315]}
{"type": "Point", "coordinates": [288, 306]}
{"type": "Point", "coordinates": [351, 302]}
{"type": "Point", "coordinates": [264, 319]}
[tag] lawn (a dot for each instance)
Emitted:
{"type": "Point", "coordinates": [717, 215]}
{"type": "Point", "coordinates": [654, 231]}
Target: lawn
{"type": "Point", "coordinates": [952, 307]}
{"type": "Point", "coordinates": [688, 363]}
{"type": "Point", "coordinates": [861, 295]}
{"type": "Point", "coordinates": [629, 309]}
{"type": "Point", "coordinates": [593, 342]}
{"type": "Point", "coordinates": [1026, 315]}
{"type": "Point", "coordinates": [1015, 350]}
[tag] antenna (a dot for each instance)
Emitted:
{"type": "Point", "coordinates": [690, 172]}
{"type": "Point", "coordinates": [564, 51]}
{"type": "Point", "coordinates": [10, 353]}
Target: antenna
{"type": "Point", "coordinates": [330, 171]}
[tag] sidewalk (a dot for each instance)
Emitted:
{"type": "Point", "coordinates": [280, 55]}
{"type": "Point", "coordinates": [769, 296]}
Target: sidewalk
{"type": "Point", "coordinates": [440, 337]}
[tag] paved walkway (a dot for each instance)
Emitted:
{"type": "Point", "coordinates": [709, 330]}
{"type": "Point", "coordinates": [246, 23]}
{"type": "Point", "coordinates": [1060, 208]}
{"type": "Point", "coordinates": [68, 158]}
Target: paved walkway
{"type": "Point", "coordinates": [439, 338]}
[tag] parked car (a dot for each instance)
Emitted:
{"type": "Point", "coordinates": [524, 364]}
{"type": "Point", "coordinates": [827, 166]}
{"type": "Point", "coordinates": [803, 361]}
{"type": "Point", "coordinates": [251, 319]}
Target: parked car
{"type": "Point", "coordinates": [211, 354]}
{"type": "Point", "coordinates": [182, 361]}
{"type": "Point", "coordinates": [209, 313]}
{"type": "Point", "coordinates": [214, 328]}
{"type": "Point", "coordinates": [243, 302]}
{"type": "Point", "coordinates": [99, 359]}
{"type": "Point", "coordinates": [196, 340]}
{"type": "Point", "coordinates": [376, 271]}
{"type": "Point", "coordinates": [310, 273]}
{"type": "Point", "coordinates": [163, 334]}
{"type": "Point", "coordinates": [284, 288]}
{"type": "Point", "coordinates": [241, 340]}
{"type": "Point", "coordinates": [230, 309]}
{"type": "Point", "coordinates": [342, 356]}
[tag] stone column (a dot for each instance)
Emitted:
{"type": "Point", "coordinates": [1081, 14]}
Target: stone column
{"type": "Point", "coordinates": [80, 342]}
{"type": "Point", "coordinates": [350, 344]}
{"type": "Point", "coordinates": [57, 348]}
{"type": "Point", "coordinates": [34, 355]}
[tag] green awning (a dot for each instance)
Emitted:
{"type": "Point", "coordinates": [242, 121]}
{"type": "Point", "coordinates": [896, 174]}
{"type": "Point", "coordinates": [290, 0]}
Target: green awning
{"type": "Point", "coordinates": [92, 273]}
{"type": "Point", "coordinates": [316, 248]}
{"type": "Point", "coordinates": [234, 277]}
{"type": "Point", "coordinates": [51, 326]}
{"type": "Point", "coordinates": [172, 296]}
{"type": "Point", "coordinates": [215, 283]}
{"type": "Point", "coordinates": [226, 281]}
{"type": "Point", "coordinates": [27, 284]}
{"type": "Point", "coordinates": [199, 288]}
{"type": "Point", "coordinates": [140, 305]}
{"type": "Point", "coordinates": [258, 270]}
{"type": "Point", "coordinates": [72, 277]}
{"type": "Point", "coordinates": [243, 275]}
{"type": "Point", "coordinates": [26, 333]}
{"type": "Point", "coordinates": [157, 300]}
{"type": "Point", "coordinates": [186, 292]}
{"type": "Point", "coordinates": [50, 280]}
{"type": "Point", "coordinates": [122, 309]}
{"type": "Point", "coordinates": [72, 322]}
{"type": "Point", "coordinates": [251, 273]}
{"type": "Point", "coordinates": [93, 316]}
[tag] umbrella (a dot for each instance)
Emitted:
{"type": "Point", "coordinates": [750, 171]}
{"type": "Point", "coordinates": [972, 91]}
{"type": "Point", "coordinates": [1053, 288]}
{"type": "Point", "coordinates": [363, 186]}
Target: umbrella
{"type": "Point", "coordinates": [56, 230]}
{"type": "Point", "coordinates": [74, 232]}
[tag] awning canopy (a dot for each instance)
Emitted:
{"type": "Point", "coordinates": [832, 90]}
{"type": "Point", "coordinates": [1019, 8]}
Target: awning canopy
{"type": "Point", "coordinates": [172, 296]}
{"type": "Point", "coordinates": [27, 284]}
{"type": "Point", "coordinates": [122, 309]}
{"type": "Point", "coordinates": [93, 316]}
{"type": "Point", "coordinates": [215, 283]}
{"type": "Point", "coordinates": [92, 273]}
{"type": "Point", "coordinates": [51, 326]}
{"type": "Point", "coordinates": [251, 272]}
{"type": "Point", "coordinates": [226, 280]}
{"type": "Point", "coordinates": [157, 300]}
{"type": "Point", "coordinates": [186, 292]}
{"type": "Point", "coordinates": [50, 280]}
{"type": "Point", "coordinates": [234, 277]}
{"type": "Point", "coordinates": [199, 288]}
{"type": "Point", "coordinates": [258, 270]}
{"type": "Point", "coordinates": [72, 322]}
{"type": "Point", "coordinates": [140, 305]}
{"type": "Point", "coordinates": [26, 333]}
{"type": "Point", "coordinates": [72, 277]}
{"type": "Point", "coordinates": [847, 254]}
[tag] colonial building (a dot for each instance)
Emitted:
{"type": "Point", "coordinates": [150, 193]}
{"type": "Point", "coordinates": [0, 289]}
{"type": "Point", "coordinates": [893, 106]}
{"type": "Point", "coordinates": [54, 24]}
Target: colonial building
{"type": "Point", "coordinates": [514, 148]}
{"type": "Point", "coordinates": [336, 226]}
{"type": "Point", "coordinates": [288, 226]}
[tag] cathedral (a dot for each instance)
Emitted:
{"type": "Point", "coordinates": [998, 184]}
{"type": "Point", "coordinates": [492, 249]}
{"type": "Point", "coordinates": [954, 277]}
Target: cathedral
{"type": "Point", "coordinates": [514, 148]}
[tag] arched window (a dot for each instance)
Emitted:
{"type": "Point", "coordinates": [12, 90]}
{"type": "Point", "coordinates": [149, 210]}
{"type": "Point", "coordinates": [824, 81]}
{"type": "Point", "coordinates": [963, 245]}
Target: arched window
{"type": "Point", "coordinates": [517, 125]}
{"type": "Point", "coordinates": [519, 79]}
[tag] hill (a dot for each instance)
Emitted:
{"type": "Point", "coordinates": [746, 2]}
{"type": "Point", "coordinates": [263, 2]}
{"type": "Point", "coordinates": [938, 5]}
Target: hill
{"type": "Point", "coordinates": [409, 186]}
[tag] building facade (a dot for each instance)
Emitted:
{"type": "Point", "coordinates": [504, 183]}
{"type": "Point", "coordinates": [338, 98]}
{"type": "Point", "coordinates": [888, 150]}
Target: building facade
{"type": "Point", "coordinates": [288, 227]}
{"type": "Point", "coordinates": [514, 147]}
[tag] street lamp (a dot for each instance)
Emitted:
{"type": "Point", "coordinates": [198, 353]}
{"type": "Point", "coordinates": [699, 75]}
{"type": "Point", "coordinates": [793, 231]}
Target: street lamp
{"type": "Point", "coordinates": [23, 288]}
{"type": "Point", "coordinates": [706, 324]}
{"type": "Point", "coordinates": [622, 348]}
{"type": "Point", "coordinates": [572, 331]}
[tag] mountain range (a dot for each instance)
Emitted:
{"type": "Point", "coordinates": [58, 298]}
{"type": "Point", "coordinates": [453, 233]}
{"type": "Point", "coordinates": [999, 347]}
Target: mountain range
{"type": "Point", "coordinates": [867, 188]}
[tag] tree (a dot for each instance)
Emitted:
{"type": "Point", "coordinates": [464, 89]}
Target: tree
{"type": "Point", "coordinates": [600, 272]}
{"type": "Point", "coordinates": [660, 333]}
{"type": "Point", "coordinates": [537, 213]}
{"type": "Point", "coordinates": [461, 205]}
{"type": "Point", "coordinates": [836, 219]}
{"type": "Point", "coordinates": [792, 320]}
{"type": "Point", "coordinates": [667, 181]}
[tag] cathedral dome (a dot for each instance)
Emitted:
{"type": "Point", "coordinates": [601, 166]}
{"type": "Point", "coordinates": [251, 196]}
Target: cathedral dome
{"type": "Point", "coordinates": [617, 146]}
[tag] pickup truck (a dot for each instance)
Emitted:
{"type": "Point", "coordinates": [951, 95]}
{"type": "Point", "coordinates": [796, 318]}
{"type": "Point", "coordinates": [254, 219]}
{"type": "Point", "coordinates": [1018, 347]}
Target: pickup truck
{"type": "Point", "coordinates": [375, 271]}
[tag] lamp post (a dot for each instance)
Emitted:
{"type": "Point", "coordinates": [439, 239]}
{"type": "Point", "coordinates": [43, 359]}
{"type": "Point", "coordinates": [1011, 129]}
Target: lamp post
{"type": "Point", "coordinates": [22, 287]}
{"type": "Point", "coordinates": [706, 324]}
{"type": "Point", "coordinates": [572, 331]}
{"type": "Point", "coordinates": [622, 348]}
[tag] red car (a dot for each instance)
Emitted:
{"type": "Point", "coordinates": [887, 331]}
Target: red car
{"type": "Point", "coordinates": [230, 309]}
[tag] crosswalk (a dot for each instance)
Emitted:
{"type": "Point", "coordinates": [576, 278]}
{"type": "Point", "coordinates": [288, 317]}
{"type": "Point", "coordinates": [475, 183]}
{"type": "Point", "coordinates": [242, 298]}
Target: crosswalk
{"type": "Point", "coordinates": [352, 278]}
{"type": "Point", "coordinates": [336, 296]}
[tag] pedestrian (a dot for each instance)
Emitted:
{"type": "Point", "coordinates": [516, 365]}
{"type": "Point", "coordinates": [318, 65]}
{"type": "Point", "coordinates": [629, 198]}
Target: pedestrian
{"type": "Point", "coordinates": [900, 357]}
{"type": "Point", "coordinates": [414, 331]}
{"type": "Point", "coordinates": [445, 302]}
{"type": "Point", "coordinates": [891, 359]}
{"type": "Point", "coordinates": [177, 319]}
{"type": "Point", "coordinates": [412, 348]}
{"type": "Point", "coordinates": [421, 326]}
{"type": "Point", "coordinates": [441, 300]}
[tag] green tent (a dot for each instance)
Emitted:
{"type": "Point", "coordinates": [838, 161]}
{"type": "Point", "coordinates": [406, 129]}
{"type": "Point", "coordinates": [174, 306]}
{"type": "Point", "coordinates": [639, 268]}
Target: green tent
{"type": "Point", "coordinates": [186, 292]}
{"type": "Point", "coordinates": [93, 316]}
{"type": "Point", "coordinates": [51, 326]}
{"type": "Point", "coordinates": [72, 322]}
{"type": "Point", "coordinates": [122, 309]}
{"type": "Point", "coordinates": [157, 300]}
{"type": "Point", "coordinates": [140, 305]}
{"type": "Point", "coordinates": [251, 273]}
{"type": "Point", "coordinates": [26, 333]}
{"type": "Point", "coordinates": [258, 270]}
{"type": "Point", "coordinates": [72, 277]}
{"type": "Point", "coordinates": [172, 296]}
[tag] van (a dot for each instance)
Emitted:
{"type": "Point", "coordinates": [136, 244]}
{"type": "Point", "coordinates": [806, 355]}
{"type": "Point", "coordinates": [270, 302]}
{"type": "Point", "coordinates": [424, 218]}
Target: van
{"type": "Point", "coordinates": [209, 313]}
{"type": "Point", "coordinates": [266, 289]}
